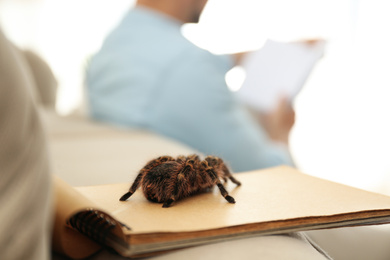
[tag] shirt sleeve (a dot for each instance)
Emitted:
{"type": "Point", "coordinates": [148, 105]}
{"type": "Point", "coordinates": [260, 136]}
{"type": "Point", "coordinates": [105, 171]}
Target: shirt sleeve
{"type": "Point", "coordinates": [195, 106]}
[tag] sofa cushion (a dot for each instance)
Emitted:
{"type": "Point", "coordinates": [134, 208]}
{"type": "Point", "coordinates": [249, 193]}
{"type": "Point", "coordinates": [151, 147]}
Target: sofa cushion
{"type": "Point", "coordinates": [85, 152]}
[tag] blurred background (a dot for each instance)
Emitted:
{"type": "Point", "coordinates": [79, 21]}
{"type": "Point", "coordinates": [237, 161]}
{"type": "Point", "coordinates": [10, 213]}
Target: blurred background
{"type": "Point", "coordinates": [342, 130]}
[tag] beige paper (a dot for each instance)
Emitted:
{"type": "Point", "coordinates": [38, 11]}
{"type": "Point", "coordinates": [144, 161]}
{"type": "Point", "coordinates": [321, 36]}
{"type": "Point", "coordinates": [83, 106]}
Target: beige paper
{"type": "Point", "coordinates": [271, 201]}
{"type": "Point", "coordinates": [275, 194]}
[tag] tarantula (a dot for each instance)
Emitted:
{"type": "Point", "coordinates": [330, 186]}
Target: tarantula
{"type": "Point", "coordinates": [166, 179]}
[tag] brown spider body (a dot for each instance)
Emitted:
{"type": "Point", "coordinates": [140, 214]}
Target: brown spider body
{"type": "Point", "coordinates": [166, 179]}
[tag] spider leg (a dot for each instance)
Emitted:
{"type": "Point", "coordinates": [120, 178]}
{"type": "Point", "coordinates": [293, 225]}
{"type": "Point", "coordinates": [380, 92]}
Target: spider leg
{"type": "Point", "coordinates": [151, 164]}
{"type": "Point", "coordinates": [179, 184]}
{"type": "Point", "coordinates": [218, 163]}
{"type": "Point", "coordinates": [175, 192]}
{"type": "Point", "coordinates": [168, 203]}
{"type": "Point", "coordinates": [227, 173]}
{"type": "Point", "coordinates": [173, 196]}
{"type": "Point", "coordinates": [133, 187]}
{"type": "Point", "coordinates": [222, 189]}
{"type": "Point", "coordinates": [234, 180]}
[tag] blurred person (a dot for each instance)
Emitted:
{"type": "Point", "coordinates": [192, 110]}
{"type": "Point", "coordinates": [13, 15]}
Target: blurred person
{"type": "Point", "coordinates": [147, 75]}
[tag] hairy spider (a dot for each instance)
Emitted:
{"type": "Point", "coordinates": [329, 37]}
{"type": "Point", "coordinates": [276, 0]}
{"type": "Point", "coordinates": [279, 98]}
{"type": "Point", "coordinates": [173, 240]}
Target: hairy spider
{"type": "Point", "coordinates": [167, 179]}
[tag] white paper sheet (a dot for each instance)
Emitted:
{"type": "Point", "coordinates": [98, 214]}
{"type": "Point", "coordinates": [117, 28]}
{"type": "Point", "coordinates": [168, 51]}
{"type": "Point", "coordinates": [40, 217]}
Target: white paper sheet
{"type": "Point", "coordinates": [277, 69]}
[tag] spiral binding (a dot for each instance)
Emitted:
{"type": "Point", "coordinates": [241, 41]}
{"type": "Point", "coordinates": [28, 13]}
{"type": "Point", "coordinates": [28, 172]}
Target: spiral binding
{"type": "Point", "coordinates": [93, 224]}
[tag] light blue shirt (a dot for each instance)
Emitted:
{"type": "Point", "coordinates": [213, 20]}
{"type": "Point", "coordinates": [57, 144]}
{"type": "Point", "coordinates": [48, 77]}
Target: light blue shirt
{"type": "Point", "coordinates": [147, 75]}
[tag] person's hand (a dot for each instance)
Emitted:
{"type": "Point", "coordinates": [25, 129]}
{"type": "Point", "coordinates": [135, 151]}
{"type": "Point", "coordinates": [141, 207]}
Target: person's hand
{"type": "Point", "coordinates": [279, 122]}
{"type": "Point", "coordinates": [311, 41]}
{"type": "Point", "coordinates": [239, 57]}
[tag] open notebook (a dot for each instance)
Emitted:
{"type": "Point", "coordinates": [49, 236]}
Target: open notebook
{"type": "Point", "coordinates": [270, 201]}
